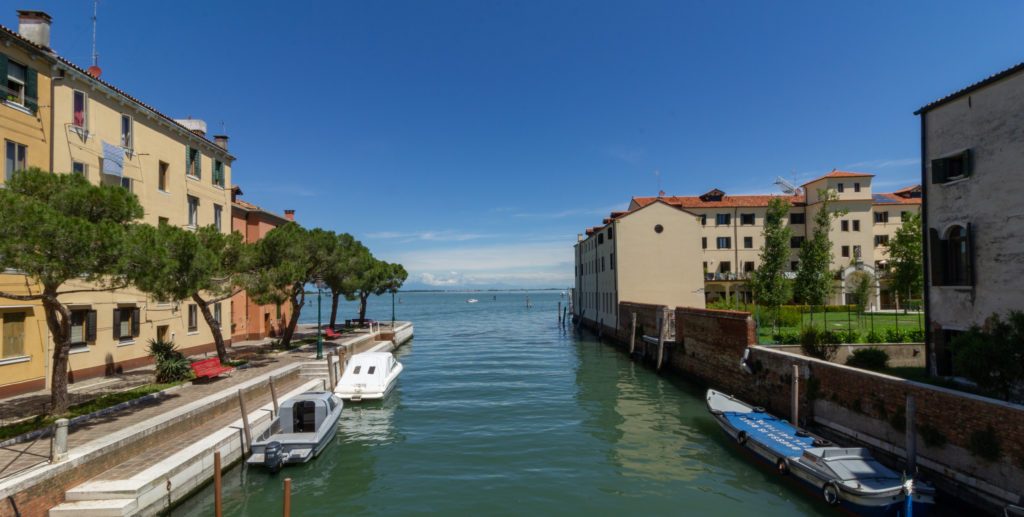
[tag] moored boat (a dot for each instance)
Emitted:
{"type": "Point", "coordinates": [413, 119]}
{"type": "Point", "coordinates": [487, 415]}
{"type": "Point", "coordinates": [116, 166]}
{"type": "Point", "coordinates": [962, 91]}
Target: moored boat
{"type": "Point", "coordinates": [304, 425]}
{"type": "Point", "coordinates": [847, 477]}
{"type": "Point", "coordinates": [369, 376]}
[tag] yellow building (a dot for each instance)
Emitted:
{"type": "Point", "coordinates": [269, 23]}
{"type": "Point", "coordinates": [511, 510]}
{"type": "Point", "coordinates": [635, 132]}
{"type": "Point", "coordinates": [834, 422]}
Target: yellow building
{"type": "Point", "coordinates": [110, 137]}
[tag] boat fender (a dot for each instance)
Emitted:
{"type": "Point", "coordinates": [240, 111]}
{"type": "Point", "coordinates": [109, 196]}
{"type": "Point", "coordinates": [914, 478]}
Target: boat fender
{"type": "Point", "coordinates": [782, 467]}
{"type": "Point", "coordinates": [741, 437]}
{"type": "Point", "coordinates": [272, 456]}
{"type": "Point", "coordinates": [802, 434]}
{"type": "Point", "coordinates": [758, 409]}
{"type": "Point", "coordinates": [821, 442]}
{"type": "Point", "coordinates": [831, 493]}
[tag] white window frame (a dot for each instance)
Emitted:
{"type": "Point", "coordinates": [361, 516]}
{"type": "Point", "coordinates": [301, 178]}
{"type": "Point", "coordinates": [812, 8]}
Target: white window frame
{"type": "Point", "coordinates": [163, 173]}
{"type": "Point", "coordinates": [193, 210]}
{"type": "Point", "coordinates": [218, 216]}
{"type": "Point", "coordinates": [20, 158]}
{"type": "Point", "coordinates": [21, 97]}
{"type": "Point", "coordinates": [85, 169]}
{"type": "Point", "coordinates": [84, 128]}
{"type": "Point", "coordinates": [193, 318]}
{"type": "Point", "coordinates": [128, 140]}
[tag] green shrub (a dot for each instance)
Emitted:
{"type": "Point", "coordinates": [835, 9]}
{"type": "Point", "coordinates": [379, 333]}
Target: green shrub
{"type": "Point", "coordinates": [993, 357]}
{"type": "Point", "coordinates": [846, 336]}
{"type": "Point", "coordinates": [895, 336]}
{"type": "Point", "coordinates": [869, 359]}
{"type": "Point", "coordinates": [787, 338]}
{"type": "Point", "coordinates": [985, 444]}
{"type": "Point", "coordinates": [817, 343]}
{"type": "Point", "coordinates": [873, 337]}
{"type": "Point", "coordinates": [931, 435]}
{"type": "Point", "coordinates": [171, 365]}
{"type": "Point", "coordinates": [915, 336]}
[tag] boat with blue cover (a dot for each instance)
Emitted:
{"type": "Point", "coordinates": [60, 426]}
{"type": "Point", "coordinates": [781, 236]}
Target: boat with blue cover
{"type": "Point", "coordinates": [846, 477]}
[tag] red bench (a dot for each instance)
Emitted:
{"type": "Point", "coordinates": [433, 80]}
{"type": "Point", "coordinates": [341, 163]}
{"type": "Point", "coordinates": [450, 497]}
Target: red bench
{"type": "Point", "coordinates": [209, 368]}
{"type": "Point", "coordinates": [331, 334]}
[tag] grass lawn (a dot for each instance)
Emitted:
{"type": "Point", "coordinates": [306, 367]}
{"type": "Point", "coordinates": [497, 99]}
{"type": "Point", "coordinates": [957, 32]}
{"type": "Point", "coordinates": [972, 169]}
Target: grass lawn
{"type": "Point", "coordinates": [841, 321]}
{"type": "Point", "coordinates": [103, 402]}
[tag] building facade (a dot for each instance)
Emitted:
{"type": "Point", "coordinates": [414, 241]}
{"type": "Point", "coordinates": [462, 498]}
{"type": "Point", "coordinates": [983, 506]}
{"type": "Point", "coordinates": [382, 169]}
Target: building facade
{"type": "Point", "coordinates": [250, 320]}
{"type": "Point", "coordinates": [77, 123]}
{"type": "Point", "coordinates": [642, 256]}
{"type": "Point", "coordinates": [732, 227]}
{"type": "Point", "coordinates": [970, 171]}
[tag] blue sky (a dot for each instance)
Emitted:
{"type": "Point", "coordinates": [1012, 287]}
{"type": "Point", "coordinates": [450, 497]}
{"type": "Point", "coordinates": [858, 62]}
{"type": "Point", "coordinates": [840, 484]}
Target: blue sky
{"type": "Point", "coordinates": [472, 141]}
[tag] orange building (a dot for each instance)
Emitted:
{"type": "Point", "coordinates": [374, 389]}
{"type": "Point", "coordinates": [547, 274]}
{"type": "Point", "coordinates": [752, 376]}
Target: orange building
{"type": "Point", "coordinates": [250, 320]}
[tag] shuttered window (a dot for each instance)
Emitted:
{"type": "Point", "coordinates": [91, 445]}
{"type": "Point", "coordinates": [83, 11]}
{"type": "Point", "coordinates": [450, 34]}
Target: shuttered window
{"type": "Point", "coordinates": [218, 173]}
{"type": "Point", "coordinates": [21, 84]}
{"type": "Point", "coordinates": [13, 335]}
{"type": "Point", "coordinates": [193, 162]}
{"type": "Point", "coordinates": [952, 258]}
{"type": "Point", "coordinates": [952, 167]}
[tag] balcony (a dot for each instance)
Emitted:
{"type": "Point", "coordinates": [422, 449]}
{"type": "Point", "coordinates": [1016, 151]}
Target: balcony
{"type": "Point", "coordinates": [727, 276]}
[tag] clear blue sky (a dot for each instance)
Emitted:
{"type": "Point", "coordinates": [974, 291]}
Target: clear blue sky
{"type": "Point", "coordinates": [473, 140]}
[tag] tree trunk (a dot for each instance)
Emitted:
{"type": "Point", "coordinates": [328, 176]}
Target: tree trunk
{"type": "Point", "coordinates": [218, 336]}
{"type": "Point", "coordinates": [334, 307]}
{"type": "Point", "coordinates": [298, 300]}
{"type": "Point", "coordinates": [58, 320]}
{"type": "Point", "coordinates": [362, 306]}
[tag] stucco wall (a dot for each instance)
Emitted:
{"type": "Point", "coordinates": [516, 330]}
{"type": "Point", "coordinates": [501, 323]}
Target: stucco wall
{"type": "Point", "coordinates": [660, 268]}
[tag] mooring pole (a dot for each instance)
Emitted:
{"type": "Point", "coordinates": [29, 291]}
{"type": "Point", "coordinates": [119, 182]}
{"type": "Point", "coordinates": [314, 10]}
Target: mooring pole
{"type": "Point", "coordinates": [911, 436]}
{"type": "Point", "coordinates": [287, 497]}
{"type": "Point", "coordinates": [273, 394]}
{"type": "Point", "coordinates": [632, 333]}
{"type": "Point", "coordinates": [795, 394]}
{"type": "Point", "coordinates": [217, 486]}
{"type": "Point", "coordinates": [245, 423]}
{"type": "Point", "coordinates": [662, 334]}
{"type": "Point", "coordinates": [559, 313]}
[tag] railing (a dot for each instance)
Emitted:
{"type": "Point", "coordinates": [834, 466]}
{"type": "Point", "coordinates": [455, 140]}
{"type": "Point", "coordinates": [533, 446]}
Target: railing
{"type": "Point", "coordinates": [746, 275]}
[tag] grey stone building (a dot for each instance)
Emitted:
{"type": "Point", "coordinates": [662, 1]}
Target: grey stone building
{"type": "Point", "coordinates": [972, 167]}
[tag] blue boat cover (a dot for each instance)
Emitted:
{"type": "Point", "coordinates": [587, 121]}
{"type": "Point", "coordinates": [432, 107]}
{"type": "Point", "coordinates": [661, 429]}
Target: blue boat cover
{"type": "Point", "coordinates": [772, 432]}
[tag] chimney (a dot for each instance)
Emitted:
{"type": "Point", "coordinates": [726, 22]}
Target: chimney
{"type": "Point", "coordinates": [35, 27]}
{"type": "Point", "coordinates": [221, 140]}
{"type": "Point", "coordinates": [289, 215]}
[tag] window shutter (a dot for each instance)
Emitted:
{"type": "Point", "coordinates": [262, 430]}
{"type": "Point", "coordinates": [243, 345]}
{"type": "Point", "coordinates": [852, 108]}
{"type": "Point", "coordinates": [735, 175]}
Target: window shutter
{"type": "Point", "coordinates": [971, 270]}
{"type": "Point", "coordinates": [117, 323]}
{"type": "Point", "coordinates": [188, 160]}
{"type": "Point", "coordinates": [31, 89]}
{"type": "Point", "coordinates": [939, 172]}
{"type": "Point", "coordinates": [90, 326]}
{"type": "Point", "coordinates": [937, 256]}
{"type": "Point", "coordinates": [967, 162]}
{"type": "Point", "coordinates": [199, 164]}
{"type": "Point", "coordinates": [3, 70]}
{"type": "Point", "coordinates": [136, 317]}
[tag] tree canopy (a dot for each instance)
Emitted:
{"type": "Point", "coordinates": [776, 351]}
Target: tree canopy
{"type": "Point", "coordinates": [906, 258]}
{"type": "Point", "coordinates": [814, 275]}
{"type": "Point", "coordinates": [771, 288]}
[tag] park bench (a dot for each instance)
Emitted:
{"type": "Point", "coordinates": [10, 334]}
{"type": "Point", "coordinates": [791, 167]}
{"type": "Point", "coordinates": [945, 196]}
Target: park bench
{"type": "Point", "coordinates": [329, 333]}
{"type": "Point", "coordinates": [209, 368]}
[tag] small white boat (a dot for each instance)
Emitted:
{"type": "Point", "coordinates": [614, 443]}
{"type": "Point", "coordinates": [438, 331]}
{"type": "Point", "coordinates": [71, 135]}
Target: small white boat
{"type": "Point", "coordinates": [369, 376]}
{"type": "Point", "coordinates": [304, 425]}
{"type": "Point", "coordinates": [472, 300]}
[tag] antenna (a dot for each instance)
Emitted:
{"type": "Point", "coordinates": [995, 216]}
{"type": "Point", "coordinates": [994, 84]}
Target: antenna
{"type": "Point", "coordinates": [786, 186]}
{"type": "Point", "coordinates": [95, 55]}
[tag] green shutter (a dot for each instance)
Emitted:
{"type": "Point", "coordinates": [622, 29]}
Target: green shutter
{"type": "Point", "coordinates": [117, 323]}
{"type": "Point", "coordinates": [939, 171]}
{"type": "Point", "coordinates": [3, 73]}
{"type": "Point", "coordinates": [967, 162]}
{"type": "Point", "coordinates": [199, 163]}
{"type": "Point", "coordinates": [188, 160]}
{"type": "Point", "coordinates": [972, 277]}
{"type": "Point", "coordinates": [136, 319]}
{"type": "Point", "coordinates": [937, 257]}
{"type": "Point", "coordinates": [31, 89]}
{"type": "Point", "coordinates": [90, 326]}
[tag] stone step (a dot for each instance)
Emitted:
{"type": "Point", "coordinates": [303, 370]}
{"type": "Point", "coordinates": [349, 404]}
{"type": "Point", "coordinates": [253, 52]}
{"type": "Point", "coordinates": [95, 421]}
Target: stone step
{"type": "Point", "coordinates": [95, 508]}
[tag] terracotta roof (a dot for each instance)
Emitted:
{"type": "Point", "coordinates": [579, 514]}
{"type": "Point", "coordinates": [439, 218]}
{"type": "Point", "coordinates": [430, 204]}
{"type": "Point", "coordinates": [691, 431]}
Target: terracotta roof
{"type": "Point", "coordinates": [892, 198]}
{"type": "Point", "coordinates": [249, 207]}
{"type": "Point", "coordinates": [842, 174]}
{"type": "Point", "coordinates": [727, 201]}
{"type": "Point", "coordinates": [51, 53]}
{"type": "Point", "coordinates": [980, 84]}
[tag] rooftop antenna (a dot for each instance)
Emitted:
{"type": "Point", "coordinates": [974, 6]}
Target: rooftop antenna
{"type": "Point", "coordinates": [95, 70]}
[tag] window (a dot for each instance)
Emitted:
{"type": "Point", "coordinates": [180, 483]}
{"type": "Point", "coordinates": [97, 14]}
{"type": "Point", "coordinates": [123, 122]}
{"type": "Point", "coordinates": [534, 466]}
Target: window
{"type": "Point", "coordinates": [794, 265]}
{"type": "Point", "coordinates": [126, 323]}
{"type": "Point", "coordinates": [17, 76]}
{"type": "Point", "coordinates": [723, 219]}
{"type": "Point", "coordinates": [126, 131]}
{"type": "Point", "coordinates": [882, 217]}
{"type": "Point", "coordinates": [79, 168]}
{"type": "Point", "coordinates": [600, 238]}
{"type": "Point", "coordinates": [796, 242]}
{"type": "Point", "coordinates": [602, 264]}
{"type": "Point", "coordinates": [658, 228]}
{"type": "Point", "coordinates": [747, 219]}
{"type": "Point", "coordinates": [704, 243]}
{"type": "Point", "coordinates": [217, 313]}
{"type": "Point", "coordinates": [80, 112]}
{"type": "Point", "coordinates": [161, 179]}
{"type": "Point", "coordinates": [193, 162]}
{"type": "Point", "coordinates": [844, 225]}
{"type": "Point", "coordinates": [611, 260]}
{"type": "Point", "coordinates": [371, 370]}
{"type": "Point", "coordinates": [218, 174]}
{"type": "Point", "coordinates": [748, 242]}
{"type": "Point", "coordinates": [856, 187]}
{"type": "Point", "coordinates": [839, 187]}
{"type": "Point", "coordinates": [126, 183]}
{"type": "Point", "coordinates": [13, 335]}
{"type": "Point", "coordinates": [356, 370]}
{"type": "Point", "coordinates": [724, 243]}
{"type": "Point", "coordinates": [797, 218]}
{"type": "Point", "coordinates": [856, 225]}
{"type": "Point", "coordinates": [193, 211]}
{"type": "Point", "coordinates": [748, 267]}
{"type": "Point", "coordinates": [160, 221]}
{"type": "Point", "coordinates": [611, 233]}
{"type": "Point", "coordinates": [953, 262]}
{"type": "Point", "coordinates": [217, 213]}
{"type": "Point", "coordinates": [17, 156]}
{"type": "Point", "coordinates": [83, 327]}
{"type": "Point", "coordinates": [724, 266]}
{"type": "Point", "coordinates": [952, 167]}
{"type": "Point", "coordinates": [703, 219]}
{"type": "Point", "coordinates": [881, 240]}
{"type": "Point", "coordinates": [856, 251]}
{"type": "Point", "coordinates": [193, 317]}
{"type": "Point", "coordinates": [846, 251]}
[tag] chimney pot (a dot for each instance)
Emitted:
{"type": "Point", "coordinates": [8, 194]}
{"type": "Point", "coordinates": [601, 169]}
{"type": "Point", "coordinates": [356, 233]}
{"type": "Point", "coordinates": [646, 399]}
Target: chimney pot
{"type": "Point", "coordinates": [221, 140]}
{"type": "Point", "coordinates": [35, 27]}
{"type": "Point", "coordinates": [289, 215]}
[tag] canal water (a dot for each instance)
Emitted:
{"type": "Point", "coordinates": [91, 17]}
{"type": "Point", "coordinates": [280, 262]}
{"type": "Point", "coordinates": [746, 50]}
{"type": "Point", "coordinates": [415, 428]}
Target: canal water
{"type": "Point", "coordinates": [500, 412]}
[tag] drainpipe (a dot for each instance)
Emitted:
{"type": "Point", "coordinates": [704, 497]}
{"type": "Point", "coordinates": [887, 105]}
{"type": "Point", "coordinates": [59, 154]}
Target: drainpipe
{"type": "Point", "coordinates": [615, 271]}
{"type": "Point", "coordinates": [929, 357]}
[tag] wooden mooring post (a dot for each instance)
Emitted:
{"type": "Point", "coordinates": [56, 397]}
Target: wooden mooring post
{"type": "Point", "coordinates": [218, 501]}
{"type": "Point", "coordinates": [330, 370]}
{"type": "Point", "coordinates": [632, 333]}
{"type": "Point", "coordinates": [245, 423]}
{"type": "Point", "coordinates": [911, 436]}
{"type": "Point", "coordinates": [559, 313]}
{"type": "Point", "coordinates": [287, 497]}
{"type": "Point", "coordinates": [662, 335]}
{"type": "Point", "coordinates": [273, 393]}
{"type": "Point", "coordinates": [795, 397]}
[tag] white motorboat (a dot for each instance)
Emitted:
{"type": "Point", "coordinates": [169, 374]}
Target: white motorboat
{"type": "Point", "coordinates": [304, 425]}
{"type": "Point", "coordinates": [369, 376]}
{"type": "Point", "coordinates": [472, 300]}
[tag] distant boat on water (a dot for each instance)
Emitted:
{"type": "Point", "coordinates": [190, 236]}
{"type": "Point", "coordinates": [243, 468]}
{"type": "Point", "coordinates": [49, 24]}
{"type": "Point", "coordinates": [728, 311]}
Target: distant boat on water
{"type": "Point", "coordinates": [472, 300]}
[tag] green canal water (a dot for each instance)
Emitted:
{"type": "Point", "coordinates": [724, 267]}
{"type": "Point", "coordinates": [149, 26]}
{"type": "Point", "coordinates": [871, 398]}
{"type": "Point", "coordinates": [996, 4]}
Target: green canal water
{"type": "Point", "coordinates": [500, 412]}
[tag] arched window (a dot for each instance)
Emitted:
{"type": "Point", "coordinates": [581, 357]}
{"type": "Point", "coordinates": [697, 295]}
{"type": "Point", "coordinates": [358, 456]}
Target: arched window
{"type": "Point", "coordinates": [958, 257]}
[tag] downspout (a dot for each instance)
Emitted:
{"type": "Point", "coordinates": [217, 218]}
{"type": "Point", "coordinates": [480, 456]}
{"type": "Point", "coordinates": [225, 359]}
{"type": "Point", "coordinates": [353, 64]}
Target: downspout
{"type": "Point", "coordinates": [615, 270]}
{"type": "Point", "coordinates": [929, 357]}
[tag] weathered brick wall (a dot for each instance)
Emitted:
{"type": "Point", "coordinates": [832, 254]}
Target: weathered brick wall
{"type": "Point", "coordinates": [710, 344]}
{"type": "Point", "coordinates": [646, 319]}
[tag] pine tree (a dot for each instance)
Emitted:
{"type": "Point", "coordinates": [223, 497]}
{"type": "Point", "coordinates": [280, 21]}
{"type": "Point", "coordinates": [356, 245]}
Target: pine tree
{"type": "Point", "coordinates": [814, 277]}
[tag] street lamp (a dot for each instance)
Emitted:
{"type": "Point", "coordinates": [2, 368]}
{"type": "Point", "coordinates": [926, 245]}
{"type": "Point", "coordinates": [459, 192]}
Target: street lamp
{"type": "Point", "coordinates": [319, 326]}
{"type": "Point", "coordinates": [392, 309]}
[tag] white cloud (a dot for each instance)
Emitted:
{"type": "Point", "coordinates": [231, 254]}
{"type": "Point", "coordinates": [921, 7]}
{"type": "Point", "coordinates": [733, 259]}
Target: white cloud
{"type": "Point", "coordinates": [571, 212]}
{"type": "Point", "coordinates": [440, 281]}
{"type": "Point", "coordinates": [526, 264]}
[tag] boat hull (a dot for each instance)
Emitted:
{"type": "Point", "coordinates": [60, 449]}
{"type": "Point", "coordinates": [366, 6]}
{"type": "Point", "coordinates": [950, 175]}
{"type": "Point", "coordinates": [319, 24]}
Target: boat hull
{"type": "Point", "coordinates": [355, 394]}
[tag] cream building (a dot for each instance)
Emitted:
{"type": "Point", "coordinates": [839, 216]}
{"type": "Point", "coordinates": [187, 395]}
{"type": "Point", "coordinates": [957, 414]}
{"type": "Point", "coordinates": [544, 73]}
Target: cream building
{"type": "Point", "coordinates": [638, 256]}
{"type": "Point", "coordinates": [85, 125]}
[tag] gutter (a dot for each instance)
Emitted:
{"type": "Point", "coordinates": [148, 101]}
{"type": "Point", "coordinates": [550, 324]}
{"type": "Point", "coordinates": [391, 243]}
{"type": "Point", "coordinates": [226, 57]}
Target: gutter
{"type": "Point", "coordinates": [929, 357]}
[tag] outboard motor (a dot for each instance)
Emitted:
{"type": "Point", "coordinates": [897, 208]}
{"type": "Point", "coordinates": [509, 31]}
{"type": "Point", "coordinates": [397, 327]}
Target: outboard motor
{"type": "Point", "coordinates": [272, 456]}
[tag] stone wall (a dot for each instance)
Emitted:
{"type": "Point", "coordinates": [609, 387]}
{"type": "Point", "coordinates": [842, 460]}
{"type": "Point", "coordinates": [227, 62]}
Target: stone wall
{"type": "Point", "coordinates": [900, 354]}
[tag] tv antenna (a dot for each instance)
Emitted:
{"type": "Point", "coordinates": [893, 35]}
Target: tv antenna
{"type": "Point", "coordinates": [786, 186]}
{"type": "Point", "coordinates": [95, 70]}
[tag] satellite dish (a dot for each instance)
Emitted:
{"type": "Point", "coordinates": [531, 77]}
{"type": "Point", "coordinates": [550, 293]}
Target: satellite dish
{"type": "Point", "coordinates": [786, 186]}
